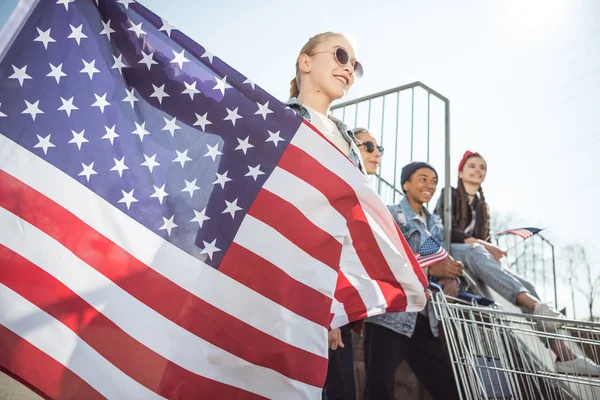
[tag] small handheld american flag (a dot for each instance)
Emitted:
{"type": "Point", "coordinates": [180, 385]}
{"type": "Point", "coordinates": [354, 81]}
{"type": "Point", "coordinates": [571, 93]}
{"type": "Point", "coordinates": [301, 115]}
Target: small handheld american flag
{"type": "Point", "coordinates": [430, 253]}
{"type": "Point", "coordinates": [525, 233]}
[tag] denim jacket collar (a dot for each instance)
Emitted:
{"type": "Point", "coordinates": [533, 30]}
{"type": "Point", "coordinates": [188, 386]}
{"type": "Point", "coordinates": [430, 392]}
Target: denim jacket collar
{"type": "Point", "coordinates": [346, 132]}
{"type": "Point", "coordinates": [408, 211]}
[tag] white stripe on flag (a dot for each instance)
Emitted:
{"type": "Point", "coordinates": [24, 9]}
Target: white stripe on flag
{"type": "Point", "coordinates": [261, 239]}
{"type": "Point", "coordinates": [178, 266]}
{"type": "Point", "coordinates": [135, 318]}
{"type": "Point", "coordinates": [312, 203]}
{"type": "Point", "coordinates": [59, 342]}
{"type": "Point", "coordinates": [339, 314]}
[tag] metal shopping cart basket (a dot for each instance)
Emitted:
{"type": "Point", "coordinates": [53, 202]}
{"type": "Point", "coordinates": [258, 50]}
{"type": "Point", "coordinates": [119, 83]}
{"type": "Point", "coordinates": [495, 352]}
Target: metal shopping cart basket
{"type": "Point", "coordinates": [502, 355]}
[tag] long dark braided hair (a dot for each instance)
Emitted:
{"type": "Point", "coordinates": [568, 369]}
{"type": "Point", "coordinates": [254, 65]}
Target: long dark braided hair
{"type": "Point", "coordinates": [462, 209]}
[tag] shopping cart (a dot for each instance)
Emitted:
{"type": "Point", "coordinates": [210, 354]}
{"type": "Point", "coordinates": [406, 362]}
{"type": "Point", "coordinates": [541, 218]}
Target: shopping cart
{"type": "Point", "coordinates": [501, 355]}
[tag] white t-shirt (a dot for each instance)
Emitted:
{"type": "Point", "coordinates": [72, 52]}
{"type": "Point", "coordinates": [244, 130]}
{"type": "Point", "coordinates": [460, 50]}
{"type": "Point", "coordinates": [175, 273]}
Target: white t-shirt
{"type": "Point", "coordinates": [329, 129]}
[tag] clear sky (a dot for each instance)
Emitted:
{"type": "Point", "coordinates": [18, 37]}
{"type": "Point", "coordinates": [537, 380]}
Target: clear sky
{"type": "Point", "coordinates": [523, 78]}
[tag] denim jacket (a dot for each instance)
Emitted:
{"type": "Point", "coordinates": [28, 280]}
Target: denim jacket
{"type": "Point", "coordinates": [347, 133]}
{"type": "Point", "coordinates": [415, 233]}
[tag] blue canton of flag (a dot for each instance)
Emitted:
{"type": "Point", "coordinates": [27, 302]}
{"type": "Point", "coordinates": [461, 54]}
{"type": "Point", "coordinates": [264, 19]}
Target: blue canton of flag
{"type": "Point", "coordinates": [158, 134]}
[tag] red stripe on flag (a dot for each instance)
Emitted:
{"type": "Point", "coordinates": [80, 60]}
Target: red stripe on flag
{"type": "Point", "coordinates": [343, 198]}
{"type": "Point", "coordinates": [36, 369]}
{"type": "Point", "coordinates": [157, 292]}
{"type": "Point", "coordinates": [120, 349]}
{"type": "Point", "coordinates": [348, 295]}
{"type": "Point", "coordinates": [265, 278]}
{"type": "Point", "coordinates": [291, 223]}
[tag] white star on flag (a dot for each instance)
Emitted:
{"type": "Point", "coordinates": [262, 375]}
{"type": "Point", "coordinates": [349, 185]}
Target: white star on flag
{"type": "Point", "coordinates": [147, 59]}
{"type": "Point", "coordinates": [20, 74]}
{"type": "Point", "coordinates": [213, 151]}
{"type": "Point", "coordinates": [1, 113]}
{"type": "Point", "coordinates": [171, 125]}
{"type": "Point", "coordinates": [128, 198]}
{"type": "Point", "coordinates": [263, 109]}
{"type": "Point", "coordinates": [244, 145]}
{"type": "Point", "coordinates": [182, 157]}
{"type": "Point", "coordinates": [43, 143]}
{"type": "Point", "coordinates": [119, 166]}
{"type": "Point", "coordinates": [209, 55]}
{"type": "Point", "coordinates": [130, 96]}
{"type": "Point", "coordinates": [232, 115]}
{"type": "Point", "coordinates": [90, 68]}
{"type": "Point", "coordinates": [200, 217]}
{"type": "Point", "coordinates": [44, 37]}
{"type": "Point", "coordinates": [202, 121]}
{"type": "Point", "coordinates": [78, 138]}
{"type": "Point", "coordinates": [179, 58]}
{"type": "Point", "coordinates": [210, 248]}
{"type": "Point", "coordinates": [110, 134]}
{"type": "Point", "coordinates": [231, 207]}
{"type": "Point", "coordinates": [222, 85]}
{"type": "Point", "coordinates": [168, 225]}
{"type": "Point", "coordinates": [159, 193]}
{"type": "Point", "coordinates": [249, 82]}
{"type": "Point", "coordinates": [222, 179]}
{"type": "Point", "coordinates": [254, 172]}
{"type": "Point", "coordinates": [150, 162]}
{"type": "Point", "coordinates": [106, 29]}
{"type": "Point", "coordinates": [166, 27]}
{"type": "Point", "coordinates": [32, 109]}
{"type": "Point", "coordinates": [77, 34]}
{"type": "Point", "coordinates": [126, 3]}
{"type": "Point", "coordinates": [141, 131]}
{"type": "Point", "coordinates": [88, 171]}
{"type": "Point", "coordinates": [68, 106]}
{"type": "Point", "coordinates": [274, 137]}
{"type": "Point", "coordinates": [56, 72]}
{"type": "Point", "coordinates": [190, 187]}
{"type": "Point", "coordinates": [137, 29]}
{"type": "Point", "coordinates": [100, 102]}
{"type": "Point", "coordinates": [119, 64]}
{"type": "Point", "coordinates": [65, 3]}
{"type": "Point", "coordinates": [159, 92]}
{"type": "Point", "coordinates": [190, 89]}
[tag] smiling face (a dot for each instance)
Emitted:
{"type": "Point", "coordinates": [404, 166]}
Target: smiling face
{"type": "Point", "coordinates": [474, 171]}
{"type": "Point", "coordinates": [322, 74]}
{"type": "Point", "coordinates": [421, 186]}
{"type": "Point", "coordinates": [370, 160]}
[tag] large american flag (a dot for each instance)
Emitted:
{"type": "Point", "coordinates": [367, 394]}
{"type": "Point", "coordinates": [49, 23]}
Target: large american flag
{"type": "Point", "coordinates": [169, 229]}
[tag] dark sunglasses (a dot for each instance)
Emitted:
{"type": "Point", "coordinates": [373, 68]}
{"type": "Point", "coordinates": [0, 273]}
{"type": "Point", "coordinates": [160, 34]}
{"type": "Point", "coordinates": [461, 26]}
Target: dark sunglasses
{"type": "Point", "coordinates": [343, 58]}
{"type": "Point", "coordinates": [370, 146]}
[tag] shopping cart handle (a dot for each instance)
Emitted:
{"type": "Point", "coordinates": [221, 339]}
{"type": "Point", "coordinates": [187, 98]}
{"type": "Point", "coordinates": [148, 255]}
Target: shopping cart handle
{"type": "Point", "coordinates": [479, 299]}
{"type": "Point", "coordinates": [464, 295]}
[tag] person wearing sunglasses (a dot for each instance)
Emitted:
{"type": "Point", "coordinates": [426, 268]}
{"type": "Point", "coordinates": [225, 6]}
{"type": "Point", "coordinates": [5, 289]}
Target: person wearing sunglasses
{"type": "Point", "coordinates": [370, 151]}
{"type": "Point", "coordinates": [325, 70]}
